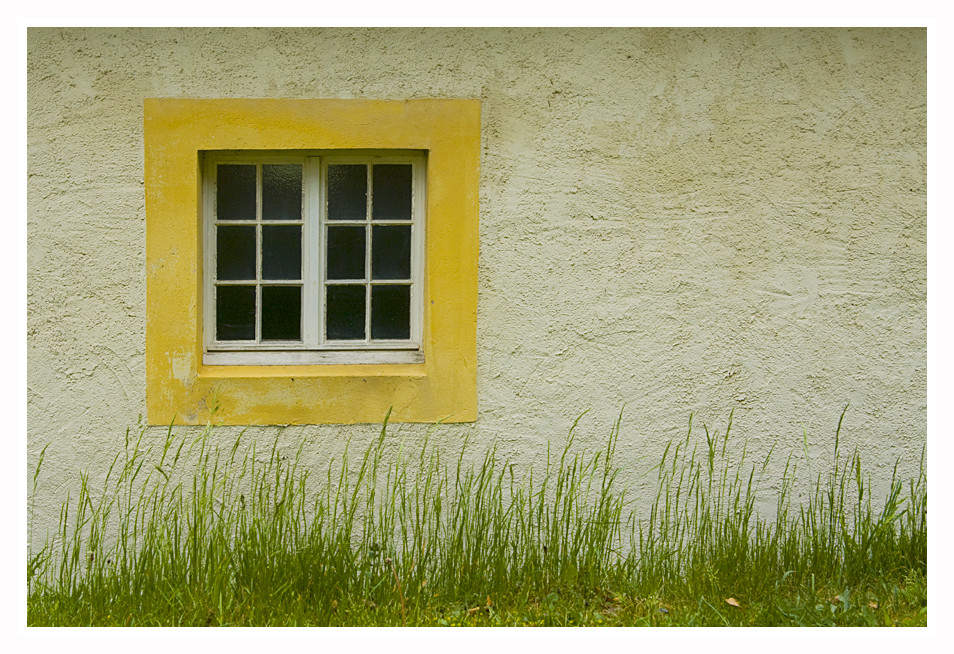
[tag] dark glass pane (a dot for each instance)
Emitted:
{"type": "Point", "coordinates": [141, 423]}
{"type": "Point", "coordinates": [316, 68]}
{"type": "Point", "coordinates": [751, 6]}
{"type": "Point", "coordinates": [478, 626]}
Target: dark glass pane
{"type": "Point", "coordinates": [344, 312]}
{"type": "Point", "coordinates": [346, 251]}
{"type": "Point", "coordinates": [235, 252]}
{"type": "Point", "coordinates": [235, 192]}
{"type": "Point", "coordinates": [347, 191]}
{"type": "Point", "coordinates": [391, 252]}
{"type": "Point", "coordinates": [391, 312]}
{"type": "Point", "coordinates": [281, 252]}
{"type": "Point", "coordinates": [391, 199]}
{"type": "Point", "coordinates": [281, 192]}
{"type": "Point", "coordinates": [281, 313]}
{"type": "Point", "coordinates": [235, 313]}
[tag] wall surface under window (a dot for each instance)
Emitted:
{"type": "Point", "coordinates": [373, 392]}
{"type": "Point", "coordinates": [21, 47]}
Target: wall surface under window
{"type": "Point", "coordinates": [674, 221]}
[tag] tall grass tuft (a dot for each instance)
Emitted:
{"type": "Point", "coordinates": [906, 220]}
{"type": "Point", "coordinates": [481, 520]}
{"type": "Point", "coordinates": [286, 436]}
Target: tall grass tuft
{"type": "Point", "coordinates": [184, 532]}
{"type": "Point", "coordinates": [704, 536]}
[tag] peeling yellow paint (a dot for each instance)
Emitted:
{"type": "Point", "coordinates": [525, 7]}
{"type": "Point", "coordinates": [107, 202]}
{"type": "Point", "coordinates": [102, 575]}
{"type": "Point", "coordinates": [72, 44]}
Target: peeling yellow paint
{"type": "Point", "coordinates": [177, 131]}
{"type": "Point", "coordinates": [183, 368]}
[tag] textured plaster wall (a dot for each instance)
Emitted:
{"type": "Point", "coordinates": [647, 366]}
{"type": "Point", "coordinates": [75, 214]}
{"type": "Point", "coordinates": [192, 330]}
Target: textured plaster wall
{"type": "Point", "coordinates": [675, 220]}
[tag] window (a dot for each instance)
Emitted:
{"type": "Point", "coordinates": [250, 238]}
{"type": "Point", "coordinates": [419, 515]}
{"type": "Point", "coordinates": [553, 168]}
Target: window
{"type": "Point", "coordinates": [313, 257]}
{"type": "Point", "coordinates": [319, 301]}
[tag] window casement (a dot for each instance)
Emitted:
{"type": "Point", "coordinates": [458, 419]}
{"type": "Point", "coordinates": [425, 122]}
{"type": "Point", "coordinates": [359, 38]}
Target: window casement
{"type": "Point", "coordinates": [313, 257]}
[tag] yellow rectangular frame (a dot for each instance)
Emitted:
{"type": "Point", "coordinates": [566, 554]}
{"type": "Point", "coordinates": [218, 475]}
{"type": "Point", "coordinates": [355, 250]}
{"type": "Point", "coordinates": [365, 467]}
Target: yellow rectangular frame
{"type": "Point", "coordinates": [179, 386]}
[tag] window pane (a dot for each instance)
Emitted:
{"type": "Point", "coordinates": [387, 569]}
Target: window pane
{"type": "Point", "coordinates": [347, 192]}
{"type": "Point", "coordinates": [235, 313]}
{"type": "Point", "coordinates": [345, 312]}
{"type": "Point", "coordinates": [281, 252]}
{"type": "Point", "coordinates": [235, 252]}
{"type": "Point", "coordinates": [346, 252]}
{"type": "Point", "coordinates": [391, 199]}
{"type": "Point", "coordinates": [235, 192]}
{"type": "Point", "coordinates": [391, 252]}
{"type": "Point", "coordinates": [281, 313]}
{"type": "Point", "coordinates": [281, 192]}
{"type": "Point", "coordinates": [391, 312]}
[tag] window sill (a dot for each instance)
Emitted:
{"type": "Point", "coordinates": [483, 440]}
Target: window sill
{"type": "Point", "coordinates": [329, 357]}
{"type": "Point", "coordinates": [410, 370]}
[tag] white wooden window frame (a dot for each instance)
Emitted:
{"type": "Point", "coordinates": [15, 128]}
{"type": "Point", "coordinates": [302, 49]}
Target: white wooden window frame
{"type": "Point", "coordinates": [314, 348]}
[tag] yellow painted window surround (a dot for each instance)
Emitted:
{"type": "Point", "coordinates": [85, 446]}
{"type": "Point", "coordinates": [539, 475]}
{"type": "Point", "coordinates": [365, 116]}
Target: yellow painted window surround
{"type": "Point", "coordinates": [180, 386]}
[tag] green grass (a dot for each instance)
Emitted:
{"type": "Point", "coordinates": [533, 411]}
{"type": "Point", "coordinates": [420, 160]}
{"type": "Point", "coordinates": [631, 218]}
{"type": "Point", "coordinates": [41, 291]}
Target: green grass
{"type": "Point", "coordinates": [184, 532]}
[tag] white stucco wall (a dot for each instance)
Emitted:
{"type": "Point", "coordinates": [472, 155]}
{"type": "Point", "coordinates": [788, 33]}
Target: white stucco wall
{"type": "Point", "coordinates": [675, 220]}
